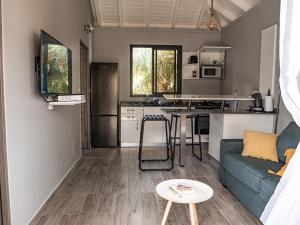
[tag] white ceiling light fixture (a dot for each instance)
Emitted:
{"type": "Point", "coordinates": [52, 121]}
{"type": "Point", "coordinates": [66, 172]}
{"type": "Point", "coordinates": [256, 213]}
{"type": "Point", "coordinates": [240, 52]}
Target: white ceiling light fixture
{"type": "Point", "coordinates": [212, 24]}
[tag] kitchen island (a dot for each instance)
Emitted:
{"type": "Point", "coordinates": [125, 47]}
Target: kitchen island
{"type": "Point", "coordinates": [220, 123]}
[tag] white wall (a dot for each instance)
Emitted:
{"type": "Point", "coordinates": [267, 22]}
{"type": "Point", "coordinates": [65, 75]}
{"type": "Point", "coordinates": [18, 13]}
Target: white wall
{"type": "Point", "coordinates": [113, 45]}
{"type": "Point", "coordinates": [42, 145]}
{"type": "Point", "coordinates": [243, 60]}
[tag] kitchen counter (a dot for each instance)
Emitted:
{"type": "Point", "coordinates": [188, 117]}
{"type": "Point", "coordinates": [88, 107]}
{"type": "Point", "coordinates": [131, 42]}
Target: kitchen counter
{"type": "Point", "coordinates": [230, 111]}
{"type": "Point", "coordinates": [232, 126]}
{"type": "Point", "coordinates": [208, 97]}
{"type": "Point", "coordinates": [150, 104]}
{"type": "Point", "coordinates": [222, 124]}
{"type": "Point", "coordinates": [178, 107]}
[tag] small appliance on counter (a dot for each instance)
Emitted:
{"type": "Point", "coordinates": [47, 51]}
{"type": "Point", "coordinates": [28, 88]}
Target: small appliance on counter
{"type": "Point", "coordinates": [193, 59]}
{"type": "Point", "coordinates": [257, 103]}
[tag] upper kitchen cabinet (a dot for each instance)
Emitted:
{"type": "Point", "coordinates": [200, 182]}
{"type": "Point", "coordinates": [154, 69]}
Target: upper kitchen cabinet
{"type": "Point", "coordinates": [212, 62]}
{"type": "Point", "coordinates": [208, 62]}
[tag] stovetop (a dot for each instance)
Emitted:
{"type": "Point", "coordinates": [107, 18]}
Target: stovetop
{"type": "Point", "coordinates": [208, 105]}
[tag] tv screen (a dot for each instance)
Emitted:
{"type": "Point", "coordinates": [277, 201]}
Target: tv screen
{"type": "Point", "coordinates": [56, 67]}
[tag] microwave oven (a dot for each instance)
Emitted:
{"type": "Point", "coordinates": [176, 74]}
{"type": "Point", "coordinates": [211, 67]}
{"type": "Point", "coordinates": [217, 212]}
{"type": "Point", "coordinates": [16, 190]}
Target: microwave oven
{"type": "Point", "coordinates": [210, 71]}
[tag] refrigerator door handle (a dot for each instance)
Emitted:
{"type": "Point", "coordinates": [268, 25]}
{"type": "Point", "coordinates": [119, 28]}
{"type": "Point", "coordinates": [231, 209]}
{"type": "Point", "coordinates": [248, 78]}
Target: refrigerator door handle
{"type": "Point", "coordinates": [102, 115]}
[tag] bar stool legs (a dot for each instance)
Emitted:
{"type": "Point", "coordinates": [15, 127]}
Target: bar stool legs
{"type": "Point", "coordinates": [174, 138]}
{"type": "Point", "coordinates": [169, 155]}
{"type": "Point", "coordinates": [173, 145]}
{"type": "Point", "coordinates": [200, 143]}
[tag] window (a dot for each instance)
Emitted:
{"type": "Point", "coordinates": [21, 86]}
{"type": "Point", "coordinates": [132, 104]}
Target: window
{"type": "Point", "coordinates": [155, 70]}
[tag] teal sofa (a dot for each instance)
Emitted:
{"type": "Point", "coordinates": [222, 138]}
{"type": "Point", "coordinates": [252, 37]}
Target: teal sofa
{"type": "Point", "coordinates": [246, 177]}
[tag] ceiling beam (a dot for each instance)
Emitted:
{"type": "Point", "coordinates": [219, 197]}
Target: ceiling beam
{"type": "Point", "coordinates": [175, 13]}
{"type": "Point", "coordinates": [98, 12]}
{"type": "Point", "coordinates": [228, 9]}
{"type": "Point", "coordinates": [245, 5]}
{"type": "Point", "coordinates": [120, 15]}
{"type": "Point", "coordinates": [148, 12]}
{"type": "Point", "coordinates": [224, 21]}
{"type": "Point", "coordinates": [95, 18]}
{"type": "Point", "coordinates": [207, 8]}
{"type": "Point", "coordinates": [200, 18]}
{"type": "Point", "coordinates": [221, 15]}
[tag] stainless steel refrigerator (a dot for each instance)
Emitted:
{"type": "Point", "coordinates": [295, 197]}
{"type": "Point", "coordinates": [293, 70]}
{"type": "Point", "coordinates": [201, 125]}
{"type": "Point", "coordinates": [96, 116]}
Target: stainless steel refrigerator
{"type": "Point", "coordinates": [104, 104]}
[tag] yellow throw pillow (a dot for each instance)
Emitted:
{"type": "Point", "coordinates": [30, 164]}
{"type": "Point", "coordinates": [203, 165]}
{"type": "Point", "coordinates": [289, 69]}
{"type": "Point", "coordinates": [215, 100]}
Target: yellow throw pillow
{"type": "Point", "coordinates": [288, 155]}
{"type": "Point", "coordinates": [260, 145]}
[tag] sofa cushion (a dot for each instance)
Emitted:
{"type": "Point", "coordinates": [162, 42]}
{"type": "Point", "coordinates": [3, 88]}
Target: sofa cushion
{"type": "Point", "coordinates": [248, 170]}
{"type": "Point", "coordinates": [260, 145]}
{"type": "Point", "coordinates": [289, 138]}
{"type": "Point", "coordinates": [268, 185]}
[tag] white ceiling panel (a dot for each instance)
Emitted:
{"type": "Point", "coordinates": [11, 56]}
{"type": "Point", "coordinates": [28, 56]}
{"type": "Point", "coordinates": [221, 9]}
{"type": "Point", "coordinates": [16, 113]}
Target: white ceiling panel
{"type": "Point", "coordinates": [161, 12]}
{"type": "Point", "coordinates": [134, 12]}
{"type": "Point", "coordinates": [189, 14]}
{"type": "Point", "coordinates": [107, 12]}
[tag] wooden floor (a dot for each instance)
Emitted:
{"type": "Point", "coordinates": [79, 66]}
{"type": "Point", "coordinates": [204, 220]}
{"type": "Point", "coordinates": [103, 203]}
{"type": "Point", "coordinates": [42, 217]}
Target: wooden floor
{"type": "Point", "coordinates": [107, 188]}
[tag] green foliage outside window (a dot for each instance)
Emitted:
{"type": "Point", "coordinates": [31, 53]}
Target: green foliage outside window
{"type": "Point", "coordinates": [142, 71]}
{"type": "Point", "coordinates": [165, 71]}
{"type": "Point", "coordinates": [154, 70]}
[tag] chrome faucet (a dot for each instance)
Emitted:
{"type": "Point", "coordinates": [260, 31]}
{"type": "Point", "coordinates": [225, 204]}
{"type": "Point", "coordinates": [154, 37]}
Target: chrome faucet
{"type": "Point", "coordinates": [148, 98]}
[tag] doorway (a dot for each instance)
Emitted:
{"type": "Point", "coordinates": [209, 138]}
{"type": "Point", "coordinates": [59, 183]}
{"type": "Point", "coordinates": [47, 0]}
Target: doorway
{"type": "Point", "coordinates": [4, 196]}
{"type": "Point", "coordinates": [85, 90]}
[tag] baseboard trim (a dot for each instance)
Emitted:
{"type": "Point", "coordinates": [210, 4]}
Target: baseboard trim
{"type": "Point", "coordinates": [54, 189]}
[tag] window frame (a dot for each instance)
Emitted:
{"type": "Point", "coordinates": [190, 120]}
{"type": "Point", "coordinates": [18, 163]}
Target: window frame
{"type": "Point", "coordinates": [178, 77]}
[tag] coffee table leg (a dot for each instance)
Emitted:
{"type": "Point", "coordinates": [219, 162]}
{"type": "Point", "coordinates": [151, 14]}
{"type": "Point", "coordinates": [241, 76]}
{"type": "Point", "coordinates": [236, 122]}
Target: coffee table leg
{"type": "Point", "coordinates": [196, 214]}
{"type": "Point", "coordinates": [168, 207]}
{"type": "Point", "coordinates": [193, 214]}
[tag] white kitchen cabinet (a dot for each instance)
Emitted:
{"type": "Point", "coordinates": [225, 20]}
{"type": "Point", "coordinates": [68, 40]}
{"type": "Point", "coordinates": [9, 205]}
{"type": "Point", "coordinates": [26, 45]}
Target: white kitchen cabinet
{"type": "Point", "coordinates": [231, 126]}
{"type": "Point", "coordinates": [131, 119]}
{"type": "Point", "coordinates": [130, 133]}
{"type": "Point", "coordinates": [154, 131]}
{"type": "Point", "coordinates": [130, 126]}
{"type": "Point", "coordinates": [131, 110]}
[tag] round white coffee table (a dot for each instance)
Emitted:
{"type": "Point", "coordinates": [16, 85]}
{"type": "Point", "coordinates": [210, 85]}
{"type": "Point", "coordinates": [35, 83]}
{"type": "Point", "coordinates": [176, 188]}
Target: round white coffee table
{"type": "Point", "coordinates": [203, 192]}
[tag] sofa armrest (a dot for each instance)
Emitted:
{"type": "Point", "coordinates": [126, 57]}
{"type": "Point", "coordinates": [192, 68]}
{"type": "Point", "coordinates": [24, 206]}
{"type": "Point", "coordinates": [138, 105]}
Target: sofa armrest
{"type": "Point", "coordinates": [227, 146]}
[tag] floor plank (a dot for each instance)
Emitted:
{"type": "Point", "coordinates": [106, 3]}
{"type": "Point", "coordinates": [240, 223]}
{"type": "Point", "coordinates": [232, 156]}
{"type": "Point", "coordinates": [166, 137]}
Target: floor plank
{"type": "Point", "coordinates": [106, 187]}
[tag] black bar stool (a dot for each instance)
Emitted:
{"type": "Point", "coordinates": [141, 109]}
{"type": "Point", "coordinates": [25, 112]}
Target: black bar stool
{"type": "Point", "coordinates": [169, 152]}
{"type": "Point", "coordinates": [193, 117]}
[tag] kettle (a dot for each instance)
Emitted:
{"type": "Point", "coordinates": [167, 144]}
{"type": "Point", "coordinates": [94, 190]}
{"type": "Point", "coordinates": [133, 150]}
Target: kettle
{"type": "Point", "coordinates": [257, 104]}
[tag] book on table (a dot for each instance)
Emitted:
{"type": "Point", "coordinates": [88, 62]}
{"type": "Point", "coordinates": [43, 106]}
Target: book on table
{"type": "Point", "coordinates": [182, 189]}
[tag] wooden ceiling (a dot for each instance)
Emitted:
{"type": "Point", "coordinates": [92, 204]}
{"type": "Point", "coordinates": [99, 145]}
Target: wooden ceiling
{"type": "Point", "coordinates": [186, 14]}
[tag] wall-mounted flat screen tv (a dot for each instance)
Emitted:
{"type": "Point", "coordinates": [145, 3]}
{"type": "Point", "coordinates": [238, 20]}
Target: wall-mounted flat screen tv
{"type": "Point", "coordinates": [56, 66]}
